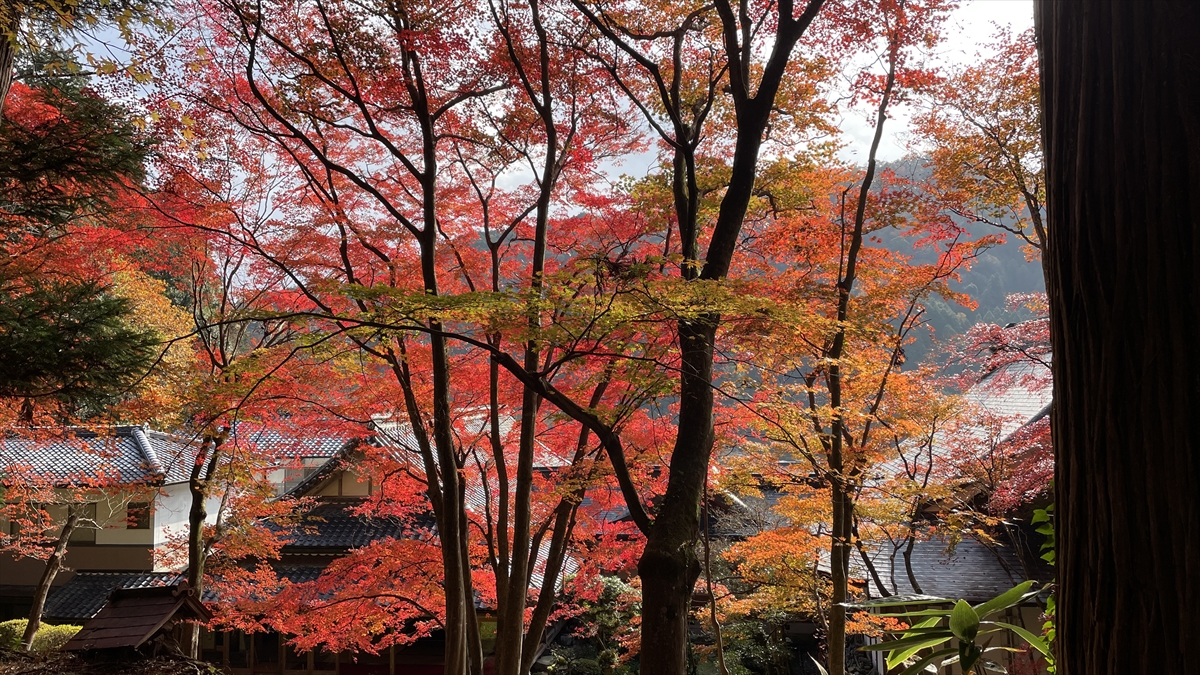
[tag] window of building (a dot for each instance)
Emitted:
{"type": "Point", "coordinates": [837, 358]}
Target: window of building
{"type": "Point", "coordinates": [137, 516]}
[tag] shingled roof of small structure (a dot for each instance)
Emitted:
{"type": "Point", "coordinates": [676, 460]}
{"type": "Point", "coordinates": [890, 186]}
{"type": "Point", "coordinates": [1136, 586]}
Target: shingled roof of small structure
{"type": "Point", "coordinates": [133, 616]}
{"type": "Point", "coordinates": [84, 595]}
{"type": "Point", "coordinates": [134, 453]}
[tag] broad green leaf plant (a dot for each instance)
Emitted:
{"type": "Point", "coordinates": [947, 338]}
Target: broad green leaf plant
{"type": "Point", "coordinates": [959, 634]}
{"type": "Point", "coordinates": [1043, 519]}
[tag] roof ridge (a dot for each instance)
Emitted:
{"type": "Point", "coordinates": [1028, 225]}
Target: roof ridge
{"type": "Point", "coordinates": [121, 573]}
{"type": "Point", "coordinates": [139, 435]}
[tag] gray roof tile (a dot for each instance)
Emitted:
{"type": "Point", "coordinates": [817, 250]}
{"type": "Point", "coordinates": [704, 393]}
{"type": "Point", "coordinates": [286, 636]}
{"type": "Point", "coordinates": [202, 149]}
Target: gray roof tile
{"type": "Point", "coordinates": [1012, 397]}
{"type": "Point", "coordinates": [333, 525]}
{"type": "Point", "coordinates": [84, 595]}
{"type": "Point", "coordinates": [299, 443]}
{"type": "Point", "coordinates": [974, 572]}
{"type": "Point", "coordinates": [134, 453]}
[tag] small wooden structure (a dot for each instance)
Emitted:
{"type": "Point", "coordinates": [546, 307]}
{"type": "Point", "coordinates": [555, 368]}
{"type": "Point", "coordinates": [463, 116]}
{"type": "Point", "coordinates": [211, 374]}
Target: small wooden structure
{"type": "Point", "coordinates": [135, 616]}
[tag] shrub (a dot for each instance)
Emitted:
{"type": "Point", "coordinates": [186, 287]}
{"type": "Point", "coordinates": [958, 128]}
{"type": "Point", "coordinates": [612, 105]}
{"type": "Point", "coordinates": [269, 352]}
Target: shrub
{"type": "Point", "coordinates": [48, 637]}
{"type": "Point", "coordinates": [11, 632]}
{"type": "Point", "coordinates": [52, 638]}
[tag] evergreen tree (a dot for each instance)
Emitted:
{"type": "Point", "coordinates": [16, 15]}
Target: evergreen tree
{"type": "Point", "coordinates": [67, 160]}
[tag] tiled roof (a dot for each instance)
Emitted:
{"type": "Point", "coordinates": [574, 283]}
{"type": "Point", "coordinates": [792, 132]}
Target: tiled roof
{"type": "Point", "coordinates": [1019, 393]}
{"type": "Point", "coordinates": [332, 525]}
{"type": "Point", "coordinates": [298, 574]}
{"type": "Point", "coordinates": [85, 594]}
{"type": "Point", "coordinates": [300, 443]}
{"type": "Point", "coordinates": [136, 454]}
{"type": "Point", "coordinates": [471, 431]}
{"type": "Point", "coordinates": [737, 516]}
{"type": "Point", "coordinates": [389, 433]}
{"type": "Point", "coordinates": [975, 572]}
{"type": "Point", "coordinates": [398, 437]}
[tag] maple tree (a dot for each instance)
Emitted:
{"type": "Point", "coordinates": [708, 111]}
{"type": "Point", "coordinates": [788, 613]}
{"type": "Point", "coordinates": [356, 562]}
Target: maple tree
{"type": "Point", "coordinates": [245, 373]}
{"type": "Point", "coordinates": [400, 234]}
{"type": "Point", "coordinates": [983, 132]}
{"type": "Point", "coordinates": [408, 360]}
{"type": "Point", "coordinates": [1015, 466]}
{"type": "Point", "coordinates": [844, 368]}
{"type": "Point", "coordinates": [673, 72]}
{"type": "Point", "coordinates": [42, 30]}
{"type": "Point", "coordinates": [84, 320]}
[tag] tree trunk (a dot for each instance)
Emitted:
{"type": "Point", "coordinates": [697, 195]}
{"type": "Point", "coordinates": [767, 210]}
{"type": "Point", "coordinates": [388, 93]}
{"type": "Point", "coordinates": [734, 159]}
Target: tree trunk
{"type": "Point", "coordinates": [203, 468]}
{"type": "Point", "coordinates": [53, 566]}
{"type": "Point", "coordinates": [669, 566]}
{"type": "Point", "coordinates": [10, 20]}
{"type": "Point", "coordinates": [1121, 111]}
{"type": "Point", "coordinates": [908, 568]}
{"type": "Point", "coordinates": [840, 491]}
{"type": "Point", "coordinates": [839, 573]}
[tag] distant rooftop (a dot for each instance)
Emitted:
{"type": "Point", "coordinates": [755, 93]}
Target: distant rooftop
{"type": "Point", "coordinates": [296, 443]}
{"type": "Point", "coordinates": [1013, 396]}
{"type": "Point", "coordinates": [973, 572]}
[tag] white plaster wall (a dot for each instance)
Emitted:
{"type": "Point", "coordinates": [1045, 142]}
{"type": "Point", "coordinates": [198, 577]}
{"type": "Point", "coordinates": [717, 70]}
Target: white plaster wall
{"type": "Point", "coordinates": [169, 517]}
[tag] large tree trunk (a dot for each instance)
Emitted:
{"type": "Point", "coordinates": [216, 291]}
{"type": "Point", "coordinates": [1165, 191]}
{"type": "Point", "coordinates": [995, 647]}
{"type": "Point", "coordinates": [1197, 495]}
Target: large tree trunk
{"type": "Point", "coordinates": [1121, 110]}
{"type": "Point", "coordinates": [53, 566]}
{"type": "Point", "coordinates": [669, 566]}
{"type": "Point", "coordinates": [10, 20]}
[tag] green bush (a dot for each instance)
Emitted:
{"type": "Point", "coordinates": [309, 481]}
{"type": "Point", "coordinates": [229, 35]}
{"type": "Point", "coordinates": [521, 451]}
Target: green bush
{"type": "Point", "coordinates": [48, 638]}
{"type": "Point", "coordinates": [52, 638]}
{"type": "Point", "coordinates": [11, 632]}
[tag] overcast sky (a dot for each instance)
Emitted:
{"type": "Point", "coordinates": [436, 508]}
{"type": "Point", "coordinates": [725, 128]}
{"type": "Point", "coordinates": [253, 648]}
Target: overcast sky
{"type": "Point", "coordinates": [971, 25]}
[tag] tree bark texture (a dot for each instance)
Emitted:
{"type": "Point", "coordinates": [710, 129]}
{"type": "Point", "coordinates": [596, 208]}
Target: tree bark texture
{"type": "Point", "coordinates": [1121, 112]}
{"type": "Point", "coordinates": [669, 566]}
{"type": "Point", "coordinates": [199, 481]}
{"type": "Point", "coordinates": [54, 565]}
{"type": "Point", "coordinates": [10, 20]}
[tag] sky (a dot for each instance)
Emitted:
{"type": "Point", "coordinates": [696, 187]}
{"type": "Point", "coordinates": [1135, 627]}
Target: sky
{"type": "Point", "coordinates": [972, 24]}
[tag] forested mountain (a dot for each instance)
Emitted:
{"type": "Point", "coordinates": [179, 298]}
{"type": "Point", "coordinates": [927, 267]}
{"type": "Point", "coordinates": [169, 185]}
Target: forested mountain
{"type": "Point", "coordinates": [996, 274]}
